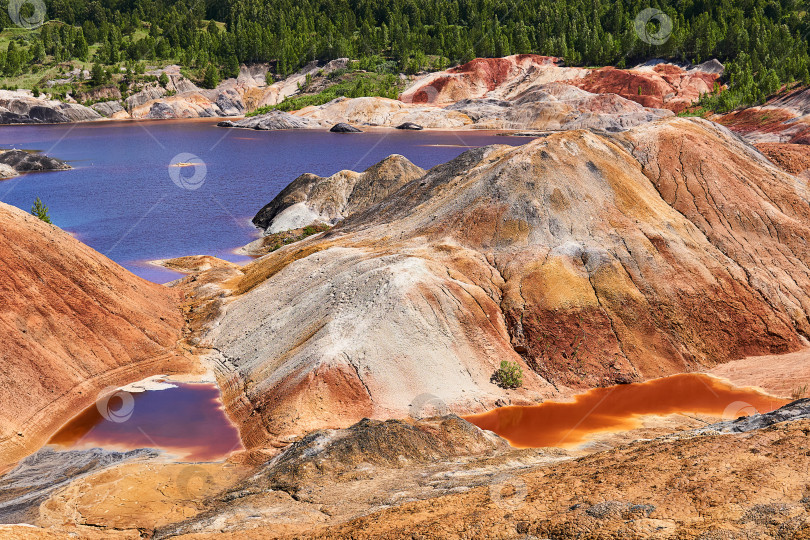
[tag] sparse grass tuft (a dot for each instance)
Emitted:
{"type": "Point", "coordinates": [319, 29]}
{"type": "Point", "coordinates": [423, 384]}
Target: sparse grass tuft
{"type": "Point", "coordinates": [799, 392]}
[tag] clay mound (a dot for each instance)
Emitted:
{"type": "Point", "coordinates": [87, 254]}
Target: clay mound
{"type": "Point", "coordinates": [759, 124]}
{"type": "Point", "coordinates": [371, 443]}
{"type": "Point", "coordinates": [73, 322]}
{"type": "Point", "coordinates": [313, 199]}
{"type": "Point", "coordinates": [558, 107]}
{"type": "Point", "coordinates": [187, 105]}
{"type": "Point", "coordinates": [664, 86]}
{"type": "Point", "coordinates": [587, 259]}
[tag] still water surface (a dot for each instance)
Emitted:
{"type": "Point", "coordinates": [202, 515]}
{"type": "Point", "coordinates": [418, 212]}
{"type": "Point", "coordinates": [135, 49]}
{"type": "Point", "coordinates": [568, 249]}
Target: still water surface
{"type": "Point", "coordinates": [120, 199]}
{"type": "Point", "coordinates": [619, 408]}
{"type": "Point", "coordinates": [185, 419]}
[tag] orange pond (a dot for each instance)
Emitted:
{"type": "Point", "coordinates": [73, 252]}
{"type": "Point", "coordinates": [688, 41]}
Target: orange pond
{"type": "Point", "coordinates": [185, 419]}
{"type": "Point", "coordinates": [618, 408]}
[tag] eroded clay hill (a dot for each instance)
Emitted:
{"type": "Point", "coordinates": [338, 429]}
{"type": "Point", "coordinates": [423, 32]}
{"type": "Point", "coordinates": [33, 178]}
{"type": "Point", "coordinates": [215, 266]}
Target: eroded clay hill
{"type": "Point", "coordinates": [656, 86]}
{"type": "Point", "coordinates": [72, 322]}
{"type": "Point", "coordinates": [588, 259]}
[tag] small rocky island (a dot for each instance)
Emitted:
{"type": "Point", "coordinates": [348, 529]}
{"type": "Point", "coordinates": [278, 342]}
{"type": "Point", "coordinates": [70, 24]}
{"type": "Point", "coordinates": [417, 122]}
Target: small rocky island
{"type": "Point", "coordinates": [14, 162]}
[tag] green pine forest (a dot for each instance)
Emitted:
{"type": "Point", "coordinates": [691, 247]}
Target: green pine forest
{"type": "Point", "coordinates": [764, 43]}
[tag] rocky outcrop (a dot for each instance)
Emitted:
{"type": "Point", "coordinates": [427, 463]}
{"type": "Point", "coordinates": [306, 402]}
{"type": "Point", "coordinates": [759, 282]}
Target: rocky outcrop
{"type": "Point", "coordinates": [553, 106]}
{"type": "Point", "coordinates": [110, 109]}
{"type": "Point", "coordinates": [377, 111]}
{"type": "Point", "coordinates": [587, 259]}
{"type": "Point", "coordinates": [229, 102]}
{"type": "Point", "coordinates": [365, 111]}
{"type": "Point", "coordinates": [797, 410]}
{"type": "Point", "coordinates": [410, 126]}
{"type": "Point", "coordinates": [183, 99]}
{"type": "Point", "coordinates": [7, 171]}
{"type": "Point", "coordinates": [272, 120]}
{"type": "Point", "coordinates": [197, 104]}
{"type": "Point", "coordinates": [19, 107]}
{"type": "Point", "coordinates": [192, 105]}
{"type": "Point", "coordinates": [313, 199]}
{"type": "Point", "coordinates": [342, 127]}
{"type": "Point", "coordinates": [150, 93]}
{"type": "Point", "coordinates": [22, 161]}
{"type": "Point", "coordinates": [374, 443]}
{"type": "Point", "coordinates": [73, 322]}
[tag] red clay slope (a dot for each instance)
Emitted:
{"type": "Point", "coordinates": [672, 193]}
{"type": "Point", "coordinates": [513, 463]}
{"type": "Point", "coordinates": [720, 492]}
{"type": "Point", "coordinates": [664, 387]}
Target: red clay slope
{"type": "Point", "coordinates": [664, 86]}
{"type": "Point", "coordinates": [72, 322]}
{"type": "Point", "coordinates": [783, 119]}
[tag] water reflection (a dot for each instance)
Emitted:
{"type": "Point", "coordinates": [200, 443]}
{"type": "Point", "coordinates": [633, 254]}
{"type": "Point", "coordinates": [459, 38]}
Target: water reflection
{"type": "Point", "coordinates": [186, 419]}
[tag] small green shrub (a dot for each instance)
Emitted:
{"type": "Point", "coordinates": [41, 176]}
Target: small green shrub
{"type": "Point", "coordinates": [40, 211]}
{"type": "Point", "coordinates": [509, 375]}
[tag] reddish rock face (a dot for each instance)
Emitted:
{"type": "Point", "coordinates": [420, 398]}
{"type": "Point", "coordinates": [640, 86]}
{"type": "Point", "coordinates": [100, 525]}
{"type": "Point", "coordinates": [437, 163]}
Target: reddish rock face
{"type": "Point", "coordinates": [481, 75]}
{"type": "Point", "coordinates": [783, 119]}
{"type": "Point", "coordinates": [758, 123]}
{"type": "Point", "coordinates": [493, 72]}
{"type": "Point", "coordinates": [663, 87]}
{"type": "Point", "coordinates": [72, 323]}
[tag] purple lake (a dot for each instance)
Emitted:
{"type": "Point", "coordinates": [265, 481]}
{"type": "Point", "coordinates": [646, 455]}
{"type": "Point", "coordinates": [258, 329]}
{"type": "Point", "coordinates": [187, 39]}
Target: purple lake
{"type": "Point", "coordinates": [120, 199]}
